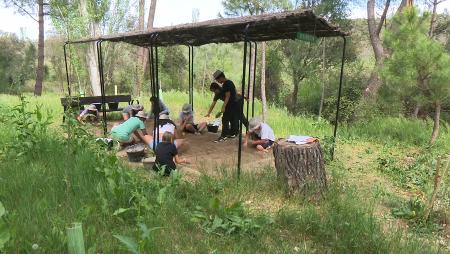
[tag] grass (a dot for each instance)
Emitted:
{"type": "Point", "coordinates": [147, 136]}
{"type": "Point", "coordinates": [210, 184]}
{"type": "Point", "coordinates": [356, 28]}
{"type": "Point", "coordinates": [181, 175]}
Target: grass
{"type": "Point", "coordinates": [54, 181]}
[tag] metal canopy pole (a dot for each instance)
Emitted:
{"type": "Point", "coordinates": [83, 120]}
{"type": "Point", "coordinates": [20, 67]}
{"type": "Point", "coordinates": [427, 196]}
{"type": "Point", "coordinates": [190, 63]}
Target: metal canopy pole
{"type": "Point", "coordinates": [189, 73]}
{"type": "Point", "coordinates": [254, 79]}
{"type": "Point", "coordinates": [102, 85]}
{"type": "Point", "coordinates": [249, 84]}
{"type": "Point", "coordinates": [157, 88]}
{"type": "Point", "coordinates": [338, 104]}
{"type": "Point", "coordinates": [244, 64]}
{"type": "Point", "coordinates": [153, 88]}
{"type": "Point", "coordinates": [192, 78]}
{"type": "Point", "coordinates": [67, 70]}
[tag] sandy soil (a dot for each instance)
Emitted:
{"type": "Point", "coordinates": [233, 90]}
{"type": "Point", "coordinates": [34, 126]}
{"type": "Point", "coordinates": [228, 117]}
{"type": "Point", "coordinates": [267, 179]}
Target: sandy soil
{"type": "Point", "coordinates": [204, 155]}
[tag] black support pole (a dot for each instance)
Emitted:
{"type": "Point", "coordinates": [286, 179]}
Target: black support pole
{"type": "Point", "coordinates": [244, 64]}
{"type": "Point", "coordinates": [189, 73]}
{"type": "Point", "coordinates": [102, 85]}
{"type": "Point", "coordinates": [338, 104]}
{"type": "Point", "coordinates": [153, 88]}
{"type": "Point", "coordinates": [157, 89]}
{"type": "Point", "coordinates": [192, 77]}
{"type": "Point", "coordinates": [254, 79]}
{"type": "Point", "coordinates": [249, 84]}
{"type": "Point", "coordinates": [67, 70]}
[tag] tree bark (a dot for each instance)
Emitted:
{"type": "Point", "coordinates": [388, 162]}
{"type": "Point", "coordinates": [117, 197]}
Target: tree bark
{"type": "Point", "coordinates": [378, 50]}
{"type": "Point", "coordinates": [252, 68]}
{"type": "Point", "coordinates": [140, 52]}
{"type": "Point", "coordinates": [301, 167]}
{"type": "Point", "coordinates": [150, 20]}
{"type": "Point", "coordinates": [433, 18]}
{"type": "Point", "coordinates": [263, 81]}
{"type": "Point", "coordinates": [416, 110]}
{"type": "Point", "coordinates": [405, 3]}
{"type": "Point", "coordinates": [437, 119]}
{"type": "Point", "coordinates": [40, 63]}
{"type": "Point", "coordinates": [322, 95]}
{"type": "Point", "coordinates": [91, 56]}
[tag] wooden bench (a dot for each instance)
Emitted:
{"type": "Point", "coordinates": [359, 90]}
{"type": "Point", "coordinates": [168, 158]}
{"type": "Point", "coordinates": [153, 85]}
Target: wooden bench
{"type": "Point", "coordinates": [79, 102]}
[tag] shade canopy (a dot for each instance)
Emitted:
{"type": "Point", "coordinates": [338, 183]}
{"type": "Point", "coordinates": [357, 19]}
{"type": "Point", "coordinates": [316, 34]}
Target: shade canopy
{"type": "Point", "coordinates": [265, 27]}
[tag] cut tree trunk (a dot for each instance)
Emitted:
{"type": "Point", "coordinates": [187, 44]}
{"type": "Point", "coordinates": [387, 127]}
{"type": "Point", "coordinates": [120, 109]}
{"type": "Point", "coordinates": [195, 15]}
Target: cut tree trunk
{"type": "Point", "coordinates": [40, 64]}
{"type": "Point", "coordinates": [301, 167]}
{"type": "Point", "coordinates": [437, 119]}
{"type": "Point", "coordinates": [263, 81]}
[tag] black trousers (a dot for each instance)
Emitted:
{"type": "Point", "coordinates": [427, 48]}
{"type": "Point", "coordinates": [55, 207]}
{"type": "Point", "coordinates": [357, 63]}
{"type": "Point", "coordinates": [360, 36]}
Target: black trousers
{"type": "Point", "coordinates": [231, 119]}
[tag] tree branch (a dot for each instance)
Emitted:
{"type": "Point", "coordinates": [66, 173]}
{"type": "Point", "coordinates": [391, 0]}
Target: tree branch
{"type": "Point", "coordinates": [383, 16]}
{"type": "Point", "coordinates": [25, 11]}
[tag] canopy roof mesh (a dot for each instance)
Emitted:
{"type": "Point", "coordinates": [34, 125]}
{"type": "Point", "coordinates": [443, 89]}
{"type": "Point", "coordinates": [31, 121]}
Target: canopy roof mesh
{"type": "Point", "coordinates": [265, 27]}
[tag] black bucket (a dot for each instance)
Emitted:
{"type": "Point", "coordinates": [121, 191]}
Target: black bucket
{"type": "Point", "coordinates": [135, 153]}
{"type": "Point", "coordinates": [212, 128]}
{"type": "Point", "coordinates": [113, 106]}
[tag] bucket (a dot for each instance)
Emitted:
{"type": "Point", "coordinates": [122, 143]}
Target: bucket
{"type": "Point", "coordinates": [135, 153]}
{"type": "Point", "coordinates": [113, 106]}
{"type": "Point", "coordinates": [149, 162]}
{"type": "Point", "coordinates": [212, 128]}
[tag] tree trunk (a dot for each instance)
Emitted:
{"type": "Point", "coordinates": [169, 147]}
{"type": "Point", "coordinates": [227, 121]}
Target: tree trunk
{"type": "Point", "coordinates": [322, 95]}
{"type": "Point", "coordinates": [252, 68]}
{"type": "Point", "coordinates": [433, 19]}
{"type": "Point", "coordinates": [437, 119]}
{"type": "Point", "coordinates": [150, 20]}
{"type": "Point", "coordinates": [416, 110]}
{"type": "Point", "coordinates": [405, 3]}
{"type": "Point", "coordinates": [294, 100]}
{"type": "Point", "coordinates": [301, 167]}
{"type": "Point", "coordinates": [40, 64]}
{"type": "Point", "coordinates": [140, 52]}
{"type": "Point", "coordinates": [91, 56]}
{"type": "Point", "coordinates": [374, 81]}
{"type": "Point", "coordinates": [263, 81]}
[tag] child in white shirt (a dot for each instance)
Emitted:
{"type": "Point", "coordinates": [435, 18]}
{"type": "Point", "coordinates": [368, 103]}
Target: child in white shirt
{"type": "Point", "coordinates": [263, 134]}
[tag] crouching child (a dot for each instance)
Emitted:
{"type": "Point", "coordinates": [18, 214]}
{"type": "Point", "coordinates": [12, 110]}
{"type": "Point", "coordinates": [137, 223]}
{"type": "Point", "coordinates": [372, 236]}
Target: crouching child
{"type": "Point", "coordinates": [262, 134]}
{"type": "Point", "coordinates": [167, 155]}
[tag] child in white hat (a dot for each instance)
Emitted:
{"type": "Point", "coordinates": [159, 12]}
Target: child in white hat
{"type": "Point", "coordinates": [264, 136]}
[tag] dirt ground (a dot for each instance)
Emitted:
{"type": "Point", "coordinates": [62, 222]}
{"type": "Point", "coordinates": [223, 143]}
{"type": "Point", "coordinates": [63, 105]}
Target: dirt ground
{"type": "Point", "coordinates": [204, 155]}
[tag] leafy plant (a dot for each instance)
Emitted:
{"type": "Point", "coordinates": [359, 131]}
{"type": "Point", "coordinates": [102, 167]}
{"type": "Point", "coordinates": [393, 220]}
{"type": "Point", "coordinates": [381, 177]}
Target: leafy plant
{"type": "Point", "coordinates": [4, 231]}
{"type": "Point", "coordinates": [222, 220]}
{"type": "Point", "coordinates": [139, 245]}
{"type": "Point", "coordinates": [414, 209]}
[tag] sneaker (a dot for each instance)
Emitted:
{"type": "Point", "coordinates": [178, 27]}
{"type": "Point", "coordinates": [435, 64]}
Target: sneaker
{"type": "Point", "coordinates": [220, 139]}
{"type": "Point", "coordinates": [232, 136]}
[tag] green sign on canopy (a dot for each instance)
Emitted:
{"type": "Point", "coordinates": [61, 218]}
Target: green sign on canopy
{"type": "Point", "coordinates": [307, 37]}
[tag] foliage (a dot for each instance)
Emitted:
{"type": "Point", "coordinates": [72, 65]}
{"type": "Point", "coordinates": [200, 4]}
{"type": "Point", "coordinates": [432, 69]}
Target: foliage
{"type": "Point", "coordinates": [4, 230]}
{"type": "Point", "coordinates": [17, 58]}
{"type": "Point", "coordinates": [223, 220]}
{"type": "Point", "coordinates": [422, 71]}
{"type": "Point", "coordinates": [78, 180]}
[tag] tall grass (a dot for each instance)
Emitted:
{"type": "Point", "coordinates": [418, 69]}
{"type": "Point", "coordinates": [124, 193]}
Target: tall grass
{"type": "Point", "coordinates": [61, 180]}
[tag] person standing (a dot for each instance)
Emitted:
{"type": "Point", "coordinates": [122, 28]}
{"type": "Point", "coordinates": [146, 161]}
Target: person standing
{"type": "Point", "coordinates": [227, 93]}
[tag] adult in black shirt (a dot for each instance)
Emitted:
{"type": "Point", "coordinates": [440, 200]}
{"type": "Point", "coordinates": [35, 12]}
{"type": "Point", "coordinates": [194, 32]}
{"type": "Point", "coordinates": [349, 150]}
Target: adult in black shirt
{"type": "Point", "coordinates": [231, 109]}
{"type": "Point", "coordinates": [167, 154]}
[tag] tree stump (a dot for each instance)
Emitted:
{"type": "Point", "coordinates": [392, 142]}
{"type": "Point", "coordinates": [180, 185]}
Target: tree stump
{"type": "Point", "coordinates": [301, 167]}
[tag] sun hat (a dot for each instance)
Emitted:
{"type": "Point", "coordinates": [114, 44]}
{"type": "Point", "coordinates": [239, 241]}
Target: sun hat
{"type": "Point", "coordinates": [92, 107]}
{"type": "Point", "coordinates": [164, 117]}
{"type": "Point", "coordinates": [137, 107]}
{"type": "Point", "coordinates": [187, 108]}
{"type": "Point", "coordinates": [217, 74]}
{"type": "Point", "coordinates": [141, 114]}
{"type": "Point", "coordinates": [254, 123]}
